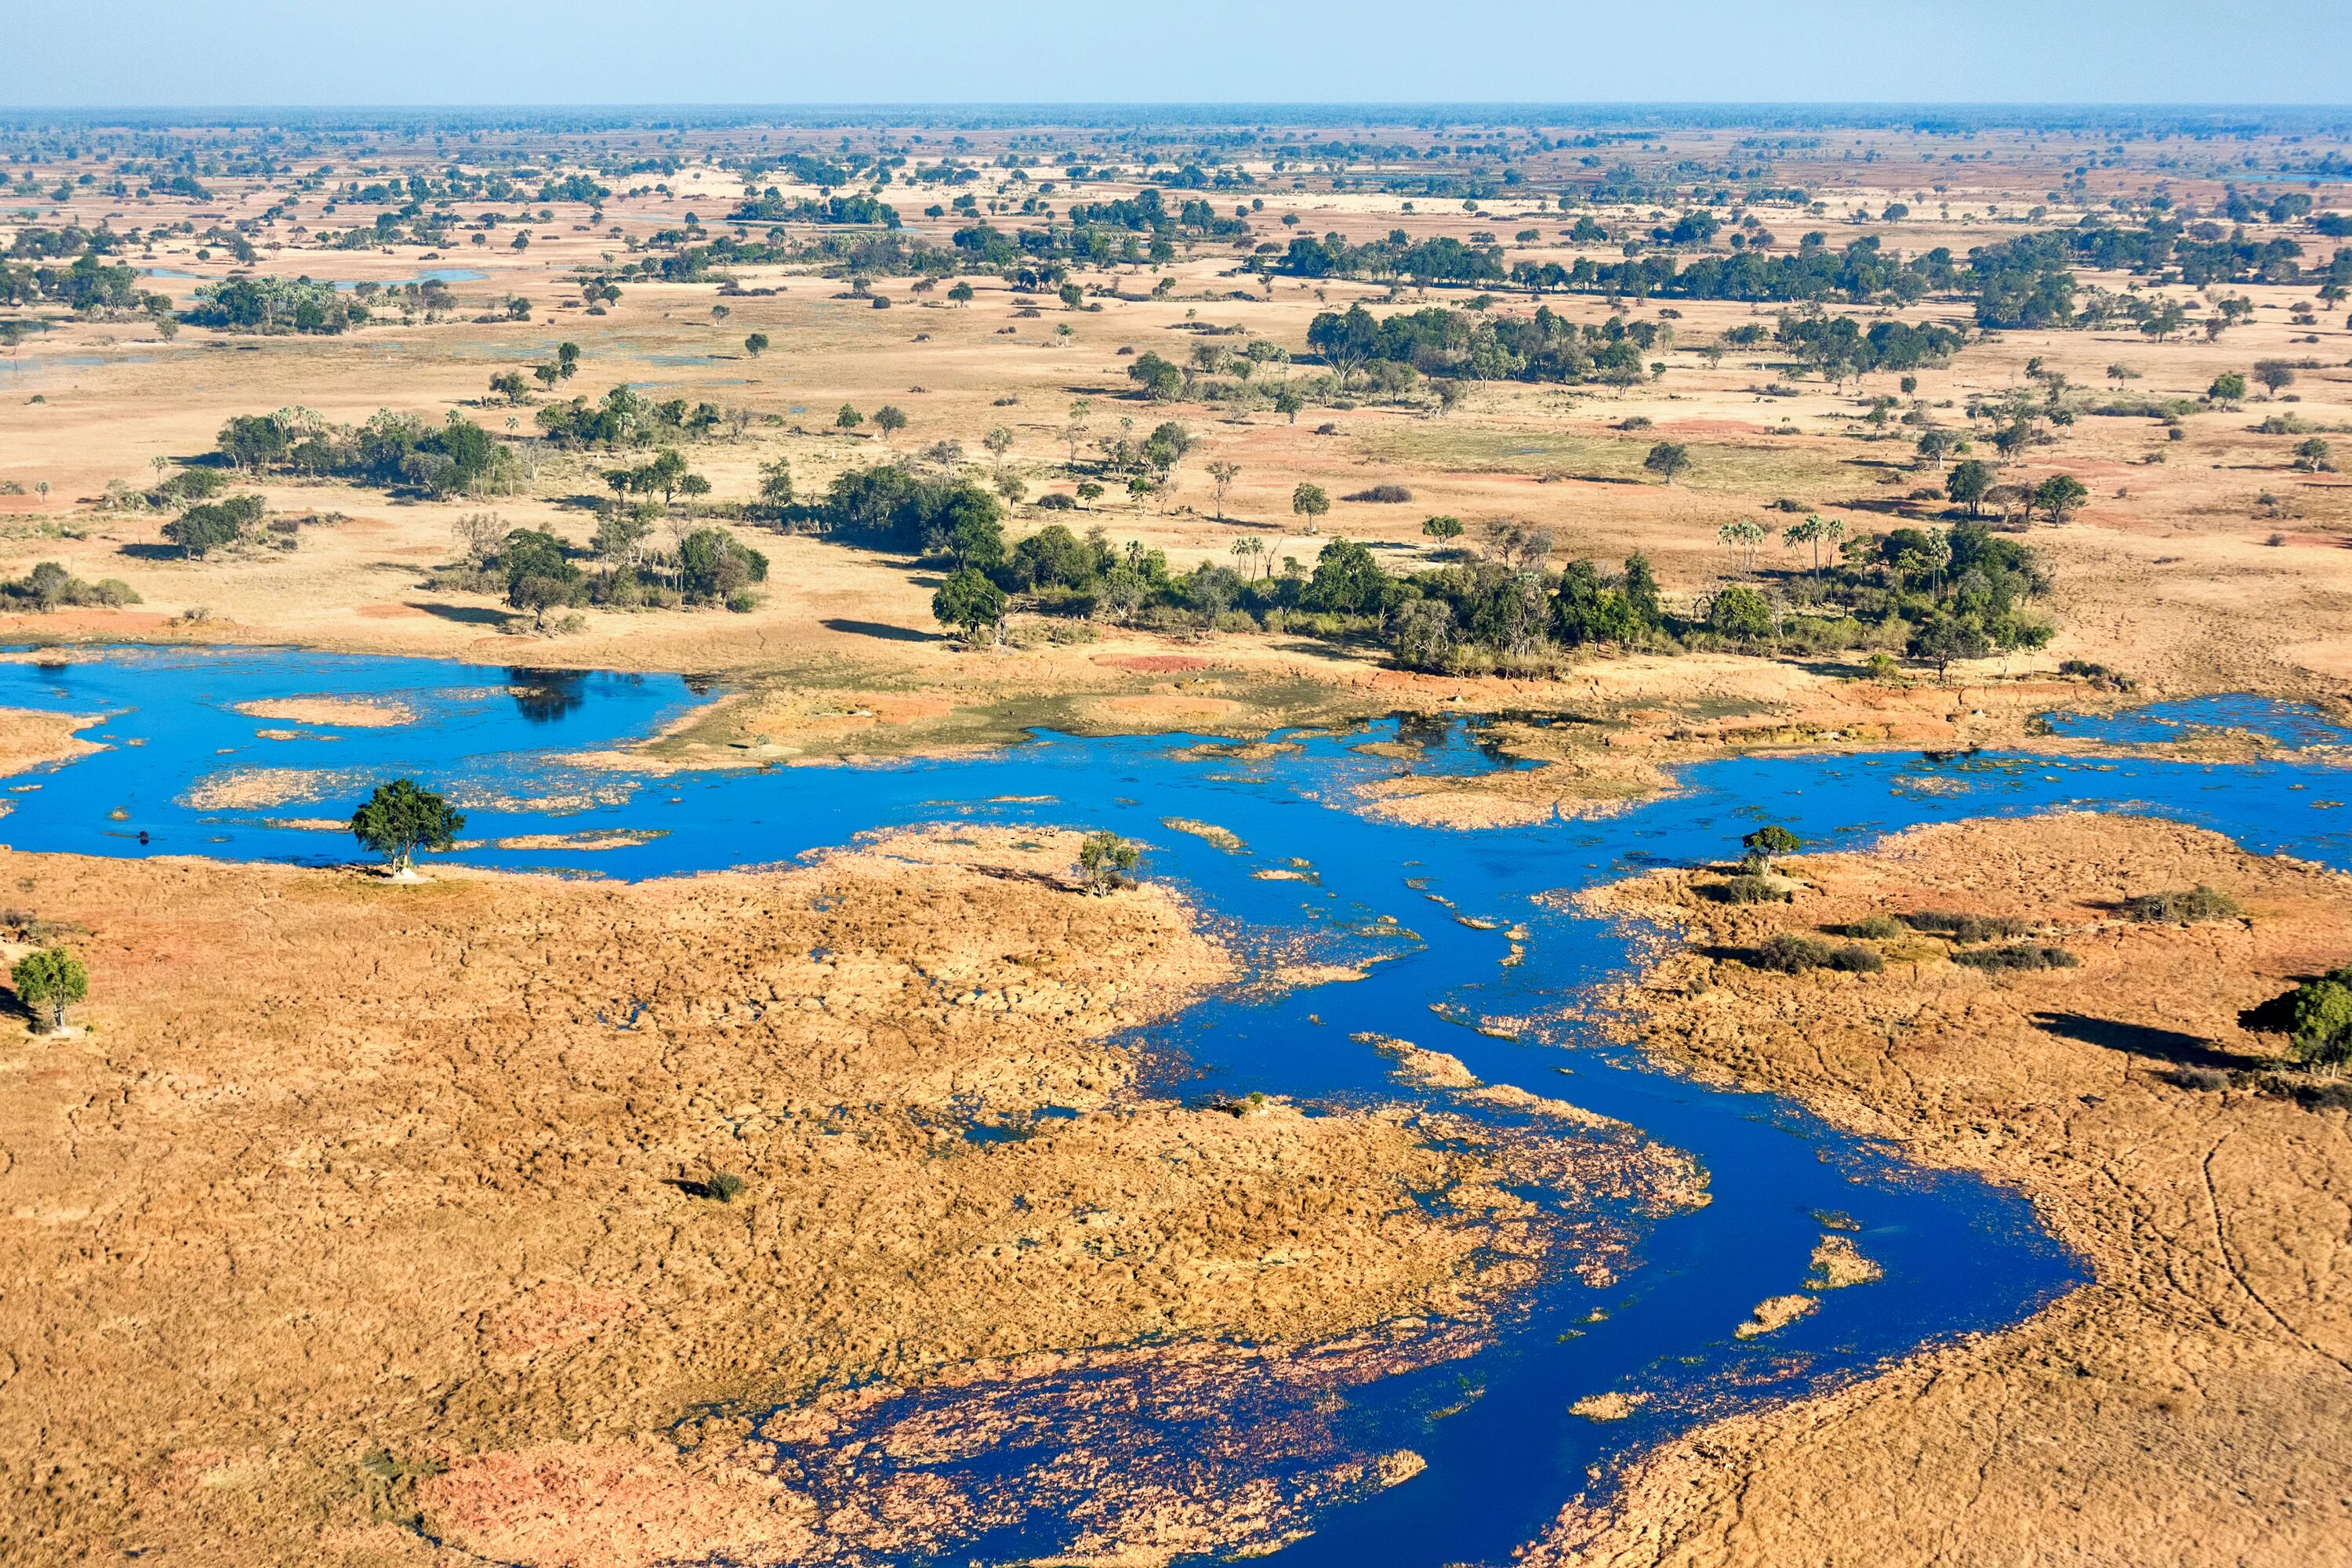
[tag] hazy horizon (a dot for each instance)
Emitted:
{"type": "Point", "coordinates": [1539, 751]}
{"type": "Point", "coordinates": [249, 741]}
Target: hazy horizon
{"type": "Point", "coordinates": [232, 55]}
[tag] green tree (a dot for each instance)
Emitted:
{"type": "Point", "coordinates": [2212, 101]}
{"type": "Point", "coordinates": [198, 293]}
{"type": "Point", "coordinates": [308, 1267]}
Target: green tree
{"type": "Point", "coordinates": [1107, 861]}
{"type": "Point", "coordinates": [970, 603]}
{"type": "Point", "coordinates": [1946, 637]}
{"type": "Point", "coordinates": [214, 525]}
{"type": "Point", "coordinates": [1967, 483]}
{"type": "Point", "coordinates": [49, 981]}
{"type": "Point", "coordinates": [1666, 459]}
{"type": "Point", "coordinates": [1741, 614]}
{"type": "Point", "coordinates": [540, 576]}
{"type": "Point", "coordinates": [1288, 401]}
{"type": "Point", "coordinates": [848, 419]}
{"type": "Point", "coordinates": [1311, 502]}
{"type": "Point", "coordinates": [1444, 530]}
{"type": "Point", "coordinates": [511, 385]}
{"type": "Point", "coordinates": [2275, 374]}
{"type": "Point", "coordinates": [1766, 842]}
{"type": "Point", "coordinates": [399, 819]}
{"type": "Point", "coordinates": [756, 345]}
{"type": "Point", "coordinates": [1933, 446]}
{"type": "Point", "coordinates": [889, 419]}
{"type": "Point", "coordinates": [2059, 494]}
{"type": "Point", "coordinates": [2229, 388]}
{"type": "Point", "coordinates": [961, 293]}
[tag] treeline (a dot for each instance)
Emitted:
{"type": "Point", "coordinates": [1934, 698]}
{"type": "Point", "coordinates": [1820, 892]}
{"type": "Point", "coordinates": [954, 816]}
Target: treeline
{"type": "Point", "coordinates": [2017, 284]}
{"type": "Point", "coordinates": [393, 451]}
{"type": "Point", "coordinates": [627, 418]}
{"type": "Point", "coordinates": [773, 206]}
{"type": "Point", "coordinates": [270, 305]}
{"type": "Point", "coordinates": [1547, 347]}
{"type": "Point", "coordinates": [537, 573]}
{"type": "Point", "coordinates": [86, 284]}
{"type": "Point", "coordinates": [1937, 595]}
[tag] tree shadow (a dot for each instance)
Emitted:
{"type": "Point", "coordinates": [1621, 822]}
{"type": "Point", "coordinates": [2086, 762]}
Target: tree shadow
{"type": "Point", "coordinates": [2137, 1039]}
{"type": "Point", "coordinates": [464, 614]}
{"type": "Point", "coordinates": [152, 552]}
{"type": "Point", "coordinates": [880, 629]}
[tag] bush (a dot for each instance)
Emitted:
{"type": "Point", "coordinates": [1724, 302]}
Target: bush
{"type": "Point", "coordinates": [1788, 953]}
{"type": "Point", "coordinates": [2198, 903]}
{"type": "Point", "coordinates": [48, 585]}
{"type": "Point", "coordinates": [1877, 928]}
{"type": "Point", "coordinates": [1749, 889]}
{"type": "Point", "coordinates": [2022, 955]}
{"type": "Point", "coordinates": [2197, 1078]}
{"type": "Point", "coordinates": [1963, 928]}
{"type": "Point", "coordinates": [723, 1187]}
{"type": "Point", "coordinates": [1388, 493]}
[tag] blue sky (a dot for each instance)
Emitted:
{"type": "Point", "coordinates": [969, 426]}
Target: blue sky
{"type": "Point", "coordinates": [269, 52]}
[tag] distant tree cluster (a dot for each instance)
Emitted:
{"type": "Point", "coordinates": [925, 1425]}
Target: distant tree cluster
{"type": "Point", "coordinates": [391, 450]}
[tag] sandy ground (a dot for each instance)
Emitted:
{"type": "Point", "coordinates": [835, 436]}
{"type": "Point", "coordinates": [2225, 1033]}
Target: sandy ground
{"type": "Point", "coordinates": [2179, 1410]}
{"type": "Point", "coordinates": [29, 739]}
{"type": "Point", "coordinates": [340, 1169]}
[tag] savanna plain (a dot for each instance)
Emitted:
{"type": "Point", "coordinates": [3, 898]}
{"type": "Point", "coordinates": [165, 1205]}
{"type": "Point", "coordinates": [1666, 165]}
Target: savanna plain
{"type": "Point", "coordinates": [340, 1224]}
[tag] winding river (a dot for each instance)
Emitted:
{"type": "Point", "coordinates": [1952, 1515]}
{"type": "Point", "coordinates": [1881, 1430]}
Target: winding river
{"type": "Point", "coordinates": [185, 771]}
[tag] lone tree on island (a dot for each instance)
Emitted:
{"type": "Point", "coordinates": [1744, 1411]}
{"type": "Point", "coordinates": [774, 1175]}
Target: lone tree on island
{"type": "Point", "coordinates": [49, 983]}
{"type": "Point", "coordinates": [1105, 860]}
{"type": "Point", "coordinates": [1766, 842]}
{"type": "Point", "coordinates": [399, 819]}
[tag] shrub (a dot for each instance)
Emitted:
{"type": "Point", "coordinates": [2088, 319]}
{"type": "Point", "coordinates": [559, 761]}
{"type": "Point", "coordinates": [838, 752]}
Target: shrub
{"type": "Point", "coordinates": [1877, 928]}
{"type": "Point", "coordinates": [2197, 1078]}
{"type": "Point", "coordinates": [2198, 903]}
{"type": "Point", "coordinates": [2321, 1014]}
{"type": "Point", "coordinates": [1788, 953]}
{"type": "Point", "coordinates": [2018, 955]}
{"type": "Point", "coordinates": [1746, 888]}
{"type": "Point", "coordinates": [1963, 928]}
{"type": "Point", "coordinates": [723, 1187]}
{"type": "Point", "coordinates": [48, 585]}
{"type": "Point", "coordinates": [1389, 493]}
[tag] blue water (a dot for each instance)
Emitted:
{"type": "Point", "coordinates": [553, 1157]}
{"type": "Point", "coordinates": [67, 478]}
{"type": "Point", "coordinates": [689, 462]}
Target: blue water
{"type": "Point", "coordinates": [2286, 723]}
{"type": "Point", "coordinates": [1503, 1452]}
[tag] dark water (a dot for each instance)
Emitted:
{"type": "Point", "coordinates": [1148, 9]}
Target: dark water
{"type": "Point", "coordinates": [1503, 1453]}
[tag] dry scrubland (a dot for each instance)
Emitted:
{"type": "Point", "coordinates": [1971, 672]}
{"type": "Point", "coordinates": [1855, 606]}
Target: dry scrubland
{"type": "Point", "coordinates": [2178, 1410]}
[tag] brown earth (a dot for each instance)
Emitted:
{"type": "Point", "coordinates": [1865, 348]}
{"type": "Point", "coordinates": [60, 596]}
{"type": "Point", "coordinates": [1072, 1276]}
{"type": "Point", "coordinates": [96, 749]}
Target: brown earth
{"type": "Point", "coordinates": [356, 1201]}
{"type": "Point", "coordinates": [29, 739]}
{"type": "Point", "coordinates": [2182, 1409]}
